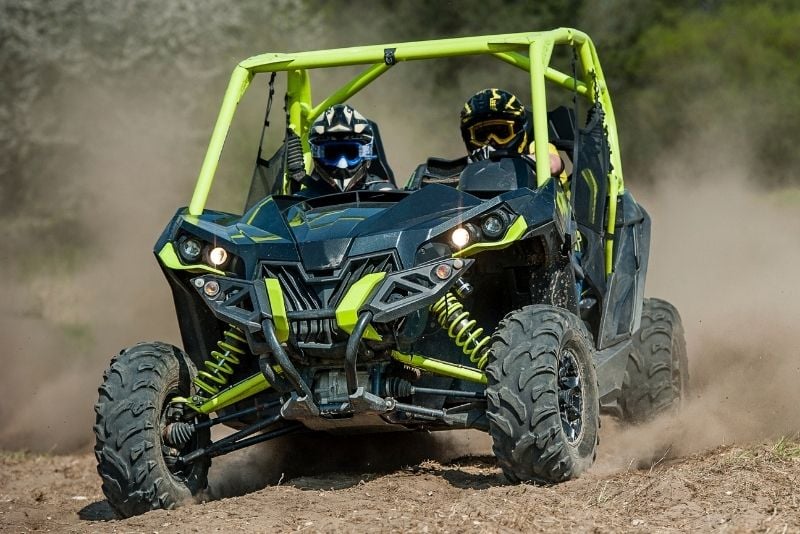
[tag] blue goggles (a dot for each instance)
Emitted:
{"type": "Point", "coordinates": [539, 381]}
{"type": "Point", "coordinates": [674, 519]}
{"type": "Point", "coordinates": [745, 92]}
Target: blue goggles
{"type": "Point", "coordinates": [341, 153]}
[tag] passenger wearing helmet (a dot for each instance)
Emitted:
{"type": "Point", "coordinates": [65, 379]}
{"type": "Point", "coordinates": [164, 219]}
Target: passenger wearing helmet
{"type": "Point", "coordinates": [494, 119]}
{"type": "Point", "coordinates": [342, 147]}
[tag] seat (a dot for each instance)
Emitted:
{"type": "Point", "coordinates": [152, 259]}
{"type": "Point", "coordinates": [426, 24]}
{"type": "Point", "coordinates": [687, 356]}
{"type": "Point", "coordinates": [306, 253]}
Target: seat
{"type": "Point", "coordinates": [380, 165]}
{"type": "Point", "coordinates": [437, 171]}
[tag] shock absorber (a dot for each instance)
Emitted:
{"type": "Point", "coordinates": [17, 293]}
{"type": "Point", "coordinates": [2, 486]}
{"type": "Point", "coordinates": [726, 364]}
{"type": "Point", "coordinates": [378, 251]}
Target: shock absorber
{"type": "Point", "coordinates": [219, 367]}
{"type": "Point", "coordinates": [454, 319]}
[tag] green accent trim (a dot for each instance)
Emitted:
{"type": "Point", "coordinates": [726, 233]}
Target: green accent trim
{"type": "Point", "coordinates": [513, 233]}
{"type": "Point", "coordinates": [591, 182]}
{"type": "Point", "coordinates": [297, 220]}
{"type": "Point", "coordinates": [266, 238]}
{"type": "Point", "coordinates": [440, 367]}
{"type": "Point", "coordinates": [258, 209]}
{"type": "Point", "coordinates": [170, 259]}
{"type": "Point", "coordinates": [239, 391]}
{"type": "Point", "coordinates": [562, 200]}
{"type": "Point", "coordinates": [278, 308]}
{"type": "Point", "coordinates": [353, 300]}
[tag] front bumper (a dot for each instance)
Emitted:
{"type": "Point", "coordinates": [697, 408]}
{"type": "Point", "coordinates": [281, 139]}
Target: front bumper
{"type": "Point", "coordinates": [387, 296]}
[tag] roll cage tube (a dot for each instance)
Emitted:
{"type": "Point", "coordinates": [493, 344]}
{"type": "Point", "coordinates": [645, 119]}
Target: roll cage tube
{"type": "Point", "coordinates": [505, 47]}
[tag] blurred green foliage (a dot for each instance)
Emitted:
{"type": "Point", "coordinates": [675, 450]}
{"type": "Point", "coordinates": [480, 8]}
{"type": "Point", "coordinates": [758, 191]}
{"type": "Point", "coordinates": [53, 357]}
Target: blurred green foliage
{"type": "Point", "coordinates": [731, 71]}
{"type": "Point", "coordinates": [677, 69]}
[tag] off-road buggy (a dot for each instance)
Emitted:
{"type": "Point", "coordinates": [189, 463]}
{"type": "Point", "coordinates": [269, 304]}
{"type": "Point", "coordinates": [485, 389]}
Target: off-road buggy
{"type": "Point", "coordinates": [483, 295]}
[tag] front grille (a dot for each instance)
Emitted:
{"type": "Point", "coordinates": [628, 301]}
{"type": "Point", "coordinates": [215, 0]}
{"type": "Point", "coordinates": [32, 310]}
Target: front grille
{"type": "Point", "coordinates": [322, 290]}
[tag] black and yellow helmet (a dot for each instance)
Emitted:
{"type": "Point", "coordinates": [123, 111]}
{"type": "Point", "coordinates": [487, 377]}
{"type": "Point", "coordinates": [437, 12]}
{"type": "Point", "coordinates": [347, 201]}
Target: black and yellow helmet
{"type": "Point", "coordinates": [496, 118]}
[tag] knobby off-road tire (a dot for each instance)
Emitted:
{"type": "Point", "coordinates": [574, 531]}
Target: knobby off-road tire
{"type": "Point", "coordinates": [543, 405]}
{"type": "Point", "coordinates": [657, 373]}
{"type": "Point", "coordinates": [131, 410]}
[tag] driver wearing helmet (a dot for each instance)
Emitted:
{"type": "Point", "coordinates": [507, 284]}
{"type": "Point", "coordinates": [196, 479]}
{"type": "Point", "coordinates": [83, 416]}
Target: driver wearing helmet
{"type": "Point", "coordinates": [494, 119]}
{"type": "Point", "coordinates": [342, 147]}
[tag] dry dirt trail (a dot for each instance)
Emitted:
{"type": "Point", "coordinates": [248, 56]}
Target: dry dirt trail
{"type": "Point", "coordinates": [728, 489]}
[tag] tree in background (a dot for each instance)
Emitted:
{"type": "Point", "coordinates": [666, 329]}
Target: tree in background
{"type": "Point", "coordinates": [728, 72]}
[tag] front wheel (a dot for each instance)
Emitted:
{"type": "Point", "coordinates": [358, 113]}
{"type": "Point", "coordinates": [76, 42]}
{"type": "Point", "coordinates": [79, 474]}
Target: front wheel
{"type": "Point", "coordinates": [139, 468]}
{"type": "Point", "coordinates": [542, 396]}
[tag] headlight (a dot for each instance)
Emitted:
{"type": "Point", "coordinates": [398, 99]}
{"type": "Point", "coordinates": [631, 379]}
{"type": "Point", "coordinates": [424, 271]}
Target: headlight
{"type": "Point", "coordinates": [443, 271]}
{"type": "Point", "coordinates": [189, 249]}
{"type": "Point", "coordinates": [218, 256]}
{"type": "Point", "coordinates": [460, 237]}
{"type": "Point", "coordinates": [211, 288]}
{"type": "Point", "coordinates": [493, 226]}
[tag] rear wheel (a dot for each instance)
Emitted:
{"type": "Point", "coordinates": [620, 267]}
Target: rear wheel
{"type": "Point", "coordinates": [139, 468]}
{"type": "Point", "coordinates": [657, 373]}
{"type": "Point", "coordinates": [542, 396]}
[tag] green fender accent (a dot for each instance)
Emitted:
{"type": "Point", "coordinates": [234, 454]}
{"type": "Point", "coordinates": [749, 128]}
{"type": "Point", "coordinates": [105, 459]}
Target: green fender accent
{"type": "Point", "coordinates": [513, 233]}
{"type": "Point", "coordinates": [276, 304]}
{"type": "Point", "coordinates": [353, 300]}
{"type": "Point", "coordinates": [170, 259]}
{"type": "Point", "coordinates": [440, 367]}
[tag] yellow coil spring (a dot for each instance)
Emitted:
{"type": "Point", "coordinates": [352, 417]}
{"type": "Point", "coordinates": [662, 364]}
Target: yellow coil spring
{"type": "Point", "coordinates": [219, 367]}
{"type": "Point", "coordinates": [452, 316]}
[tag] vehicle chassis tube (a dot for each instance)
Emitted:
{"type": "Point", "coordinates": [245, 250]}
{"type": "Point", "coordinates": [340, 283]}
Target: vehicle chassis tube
{"type": "Point", "coordinates": [265, 363]}
{"type": "Point", "coordinates": [289, 370]}
{"type": "Point", "coordinates": [351, 352]}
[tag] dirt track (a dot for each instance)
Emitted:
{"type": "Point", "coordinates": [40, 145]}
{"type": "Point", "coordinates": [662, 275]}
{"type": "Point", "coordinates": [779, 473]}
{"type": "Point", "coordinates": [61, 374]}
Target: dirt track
{"type": "Point", "coordinates": [727, 489]}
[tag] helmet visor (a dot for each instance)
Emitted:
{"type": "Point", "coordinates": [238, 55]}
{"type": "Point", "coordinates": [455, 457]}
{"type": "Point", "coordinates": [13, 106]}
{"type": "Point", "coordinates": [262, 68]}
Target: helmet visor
{"type": "Point", "coordinates": [493, 132]}
{"type": "Point", "coordinates": [334, 153]}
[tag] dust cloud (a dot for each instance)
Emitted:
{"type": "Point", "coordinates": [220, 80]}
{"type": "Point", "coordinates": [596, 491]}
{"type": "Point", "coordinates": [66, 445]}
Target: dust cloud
{"type": "Point", "coordinates": [61, 326]}
{"type": "Point", "coordinates": [725, 253]}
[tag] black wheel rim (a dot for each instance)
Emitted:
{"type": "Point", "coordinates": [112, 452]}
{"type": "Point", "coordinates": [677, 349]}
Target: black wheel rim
{"type": "Point", "coordinates": [570, 396]}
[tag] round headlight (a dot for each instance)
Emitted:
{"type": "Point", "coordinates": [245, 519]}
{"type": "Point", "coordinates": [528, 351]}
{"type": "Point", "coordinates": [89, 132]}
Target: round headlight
{"type": "Point", "coordinates": [189, 249]}
{"type": "Point", "coordinates": [493, 226]}
{"type": "Point", "coordinates": [460, 237]}
{"type": "Point", "coordinates": [218, 256]}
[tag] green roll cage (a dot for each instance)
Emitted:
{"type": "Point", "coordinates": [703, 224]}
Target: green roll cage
{"type": "Point", "coordinates": [509, 48]}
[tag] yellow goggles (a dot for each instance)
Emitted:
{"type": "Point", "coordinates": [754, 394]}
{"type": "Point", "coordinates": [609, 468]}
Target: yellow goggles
{"type": "Point", "coordinates": [498, 131]}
